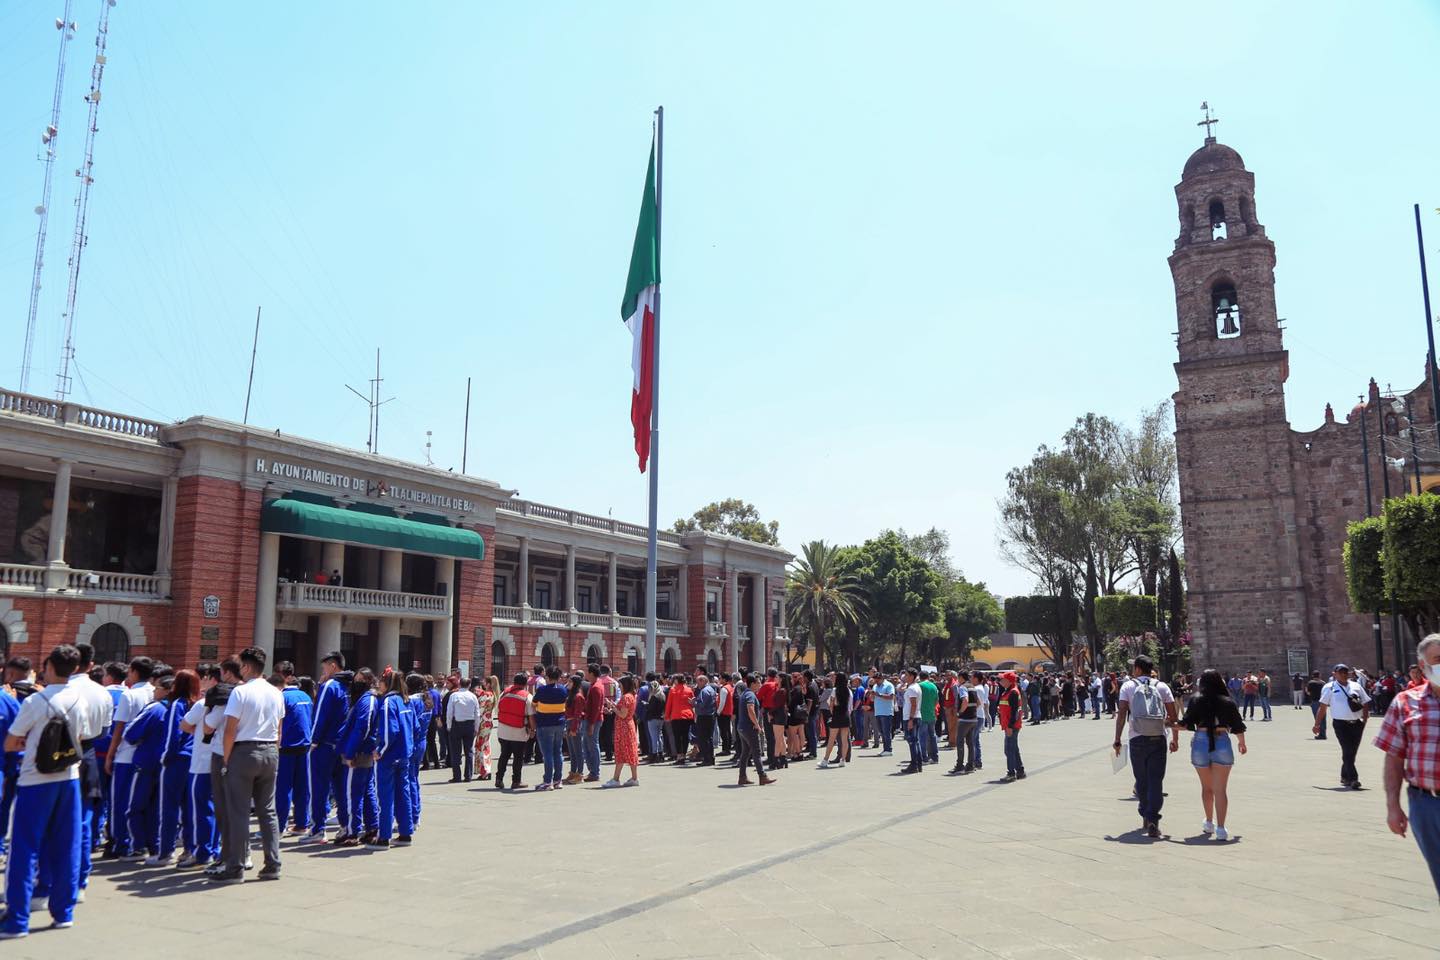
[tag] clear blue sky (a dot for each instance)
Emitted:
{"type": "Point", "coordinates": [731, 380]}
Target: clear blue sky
{"type": "Point", "coordinates": [903, 246]}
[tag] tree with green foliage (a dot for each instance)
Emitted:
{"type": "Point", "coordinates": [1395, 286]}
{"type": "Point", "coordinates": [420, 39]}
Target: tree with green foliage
{"type": "Point", "coordinates": [734, 518]}
{"type": "Point", "coordinates": [1364, 572]}
{"type": "Point", "coordinates": [820, 592]}
{"type": "Point", "coordinates": [970, 614]}
{"type": "Point", "coordinates": [903, 592]}
{"type": "Point", "coordinates": [1125, 614]}
{"type": "Point", "coordinates": [1049, 617]}
{"type": "Point", "coordinates": [1411, 557]}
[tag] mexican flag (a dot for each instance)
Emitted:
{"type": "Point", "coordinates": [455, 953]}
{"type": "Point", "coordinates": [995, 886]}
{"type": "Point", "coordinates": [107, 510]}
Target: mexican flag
{"type": "Point", "coordinates": [638, 310]}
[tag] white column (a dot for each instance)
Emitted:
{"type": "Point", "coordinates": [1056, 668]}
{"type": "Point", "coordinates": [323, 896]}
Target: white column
{"type": "Point", "coordinates": [524, 577]}
{"type": "Point", "coordinates": [267, 581]}
{"type": "Point", "coordinates": [164, 549]}
{"type": "Point", "coordinates": [387, 649]}
{"type": "Point", "coordinates": [612, 560]}
{"type": "Point", "coordinates": [59, 512]}
{"type": "Point", "coordinates": [680, 603]}
{"type": "Point", "coordinates": [440, 661]}
{"type": "Point", "coordinates": [332, 557]}
{"type": "Point", "coordinates": [570, 582]}
{"type": "Point", "coordinates": [733, 588]}
{"type": "Point", "coordinates": [327, 639]}
{"type": "Point", "coordinates": [758, 638]}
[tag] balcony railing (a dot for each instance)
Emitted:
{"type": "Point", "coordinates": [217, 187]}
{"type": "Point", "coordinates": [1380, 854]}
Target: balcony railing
{"type": "Point", "coordinates": [89, 582]}
{"type": "Point", "coordinates": [12, 401]}
{"type": "Point", "coordinates": [782, 635]}
{"type": "Point", "coordinates": [593, 620]}
{"type": "Point", "coordinates": [540, 615]}
{"type": "Point", "coordinates": [324, 597]}
{"type": "Point", "coordinates": [22, 575]}
{"type": "Point", "coordinates": [82, 583]}
{"type": "Point", "coordinates": [717, 628]}
{"type": "Point", "coordinates": [505, 613]}
{"type": "Point", "coordinates": [743, 632]}
{"type": "Point", "coordinates": [528, 508]}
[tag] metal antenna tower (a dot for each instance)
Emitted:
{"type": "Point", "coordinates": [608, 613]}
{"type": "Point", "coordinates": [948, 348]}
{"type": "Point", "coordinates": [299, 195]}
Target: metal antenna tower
{"type": "Point", "coordinates": [66, 26]}
{"type": "Point", "coordinates": [82, 202]}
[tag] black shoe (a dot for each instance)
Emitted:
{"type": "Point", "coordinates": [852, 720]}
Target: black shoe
{"type": "Point", "coordinates": [271, 871]}
{"type": "Point", "coordinates": [1008, 778]}
{"type": "Point", "coordinates": [1152, 830]}
{"type": "Point", "coordinates": [377, 842]}
{"type": "Point", "coordinates": [453, 780]}
{"type": "Point", "coordinates": [912, 768]}
{"type": "Point", "coordinates": [403, 840]}
{"type": "Point", "coordinates": [1354, 784]}
{"type": "Point", "coordinates": [228, 876]}
{"type": "Point", "coordinates": [1020, 775]}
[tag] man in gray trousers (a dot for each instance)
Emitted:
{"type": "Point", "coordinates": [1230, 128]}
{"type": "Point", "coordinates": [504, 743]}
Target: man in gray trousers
{"type": "Point", "coordinates": [251, 763]}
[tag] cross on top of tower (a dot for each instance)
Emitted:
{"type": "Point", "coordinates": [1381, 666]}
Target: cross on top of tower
{"type": "Point", "coordinates": [1208, 122]}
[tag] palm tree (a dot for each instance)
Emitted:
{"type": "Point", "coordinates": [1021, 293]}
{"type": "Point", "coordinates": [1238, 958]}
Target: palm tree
{"type": "Point", "coordinates": [821, 591]}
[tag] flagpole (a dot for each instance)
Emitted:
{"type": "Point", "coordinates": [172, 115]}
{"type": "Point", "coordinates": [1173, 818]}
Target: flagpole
{"type": "Point", "coordinates": [651, 572]}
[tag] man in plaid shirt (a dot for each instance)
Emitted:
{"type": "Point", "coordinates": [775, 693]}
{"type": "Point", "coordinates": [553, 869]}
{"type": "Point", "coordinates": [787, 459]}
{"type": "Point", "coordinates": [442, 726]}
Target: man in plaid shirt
{"type": "Point", "coordinates": [1410, 737]}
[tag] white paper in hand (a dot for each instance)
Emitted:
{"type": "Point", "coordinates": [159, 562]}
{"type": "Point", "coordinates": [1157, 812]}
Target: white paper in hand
{"type": "Point", "coordinates": [1119, 761]}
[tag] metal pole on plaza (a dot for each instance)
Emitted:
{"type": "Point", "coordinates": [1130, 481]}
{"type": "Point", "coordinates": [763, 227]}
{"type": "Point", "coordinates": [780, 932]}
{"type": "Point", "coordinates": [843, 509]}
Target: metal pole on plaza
{"type": "Point", "coordinates": [1433, 374]}
{"type": "Point", "coordinates": [1370, 512]}
{"type": "Point", "coordinates": [651, 573]}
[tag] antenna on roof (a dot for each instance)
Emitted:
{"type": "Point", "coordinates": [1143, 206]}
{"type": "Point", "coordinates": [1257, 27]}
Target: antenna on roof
{"type": "Point", "coordinates": [373, 401]}
{"type": "Point", "coordinates": [48, 136]}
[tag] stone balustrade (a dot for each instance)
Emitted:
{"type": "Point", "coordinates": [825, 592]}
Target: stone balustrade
{"type": "Point", "coordinates": [22, 575]}
{"type": "Point", "coordinates": [93, 418]}
{"type": "Point", "coordinates": [717, 629]}
{"type": "Point", "coordinates": [574, 518]}
{"type": "Point", "coordinates": [324, 597]}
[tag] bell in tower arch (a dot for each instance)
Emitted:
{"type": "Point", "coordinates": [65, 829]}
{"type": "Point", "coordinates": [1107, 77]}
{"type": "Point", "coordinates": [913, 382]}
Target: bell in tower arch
{"type": "Point", "coordinates": [1227, 310]}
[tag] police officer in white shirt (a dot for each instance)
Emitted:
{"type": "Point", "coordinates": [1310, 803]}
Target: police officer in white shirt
{"type": "Point", "coordinates": [1348, 705]}
{"type": "Point", "coordinates": [251, 764]}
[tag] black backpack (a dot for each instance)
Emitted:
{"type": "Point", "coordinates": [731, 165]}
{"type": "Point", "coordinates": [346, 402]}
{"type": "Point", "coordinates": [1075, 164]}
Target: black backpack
{"type": "Point", "coordinates": [57, 750]}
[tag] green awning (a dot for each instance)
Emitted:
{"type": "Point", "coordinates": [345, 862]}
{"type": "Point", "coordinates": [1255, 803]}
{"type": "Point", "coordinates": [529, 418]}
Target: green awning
{"type": "Point", "coordinates": [302, 519]}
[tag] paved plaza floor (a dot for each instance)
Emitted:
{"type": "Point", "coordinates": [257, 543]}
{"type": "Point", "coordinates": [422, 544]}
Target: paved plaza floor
{"type": "Point", "coordinates": [856, 862]}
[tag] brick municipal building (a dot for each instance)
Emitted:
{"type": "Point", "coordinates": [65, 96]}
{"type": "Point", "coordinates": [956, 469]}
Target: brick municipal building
{"type": "Point", "coordinates": [189, 541]}
{"type": "Point", "coordinates": [1264, 506]}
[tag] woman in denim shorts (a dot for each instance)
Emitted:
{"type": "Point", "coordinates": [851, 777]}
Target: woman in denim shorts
{"type": "Point", "coordinates": [1213, 716]}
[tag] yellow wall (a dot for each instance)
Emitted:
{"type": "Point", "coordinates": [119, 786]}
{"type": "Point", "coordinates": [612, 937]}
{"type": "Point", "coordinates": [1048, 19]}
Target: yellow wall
{"type": "Point", "coordinates": [1026, 657]}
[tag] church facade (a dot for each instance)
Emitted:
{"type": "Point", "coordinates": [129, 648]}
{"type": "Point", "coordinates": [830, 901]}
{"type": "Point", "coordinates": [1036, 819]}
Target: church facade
{"type": "Point", "coordinates": [1264, 507]}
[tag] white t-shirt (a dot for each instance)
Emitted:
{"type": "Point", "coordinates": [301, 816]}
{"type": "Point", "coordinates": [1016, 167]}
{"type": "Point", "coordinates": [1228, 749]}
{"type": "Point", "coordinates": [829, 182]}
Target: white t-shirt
{"type": "Point", "coordinates": [912, 702]}
{"type": "Point", "coordinates": [96, 709]}
{"type": "Point", "coordinates": [132, 701]}
{"type": "Point", "coordinates": [200, 752]}
{"type": "Point", "coordinates": [260, 708]}
{"type": "Point", "coordinates": [39, 708]}
{"type": "Point", "coordinates": [1127, 693]}
{"type": "Point", "coordinates": [1334, 697]}
{"type": "Point", "coordinates": [982, 694]}
{"type": "Point", "coordinates": [215, 729]}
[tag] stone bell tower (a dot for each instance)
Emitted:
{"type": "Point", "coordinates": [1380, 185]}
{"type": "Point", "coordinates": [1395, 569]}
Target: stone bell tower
{"type": "Point", "coordinates": [1247, 602]}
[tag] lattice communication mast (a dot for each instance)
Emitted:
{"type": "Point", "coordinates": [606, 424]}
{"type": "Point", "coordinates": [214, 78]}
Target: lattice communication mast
{"type": "Point", "coordinates": [66, 27]}
{"type": "Point", "coordinates": [82, 202]}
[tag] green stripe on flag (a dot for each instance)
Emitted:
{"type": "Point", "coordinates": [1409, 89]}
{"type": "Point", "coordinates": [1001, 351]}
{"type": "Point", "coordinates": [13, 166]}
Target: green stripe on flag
{"type": "Point", "coordinates": [645, 258]}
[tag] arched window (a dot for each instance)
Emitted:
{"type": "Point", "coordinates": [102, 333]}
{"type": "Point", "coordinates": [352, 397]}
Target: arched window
{"type": "Point", "coordinates": [670, 664]}
{"type": "Point", "coordinates": [111, 642]}
{"type": "Point", "coordinates": [593, 654]}
{"type": "Point", "coordinates": [712, 661]}
{"type": "Point", "coordinates": [499, 661]}
{"type": "Point", "coordinates": [1226, 304]}
{"type": "Point", "coordinates": [632, 661]}
{"type": "Point", "coordinates": [547, 655]}
{"type": "Point", "coordinates": [1217, 220]}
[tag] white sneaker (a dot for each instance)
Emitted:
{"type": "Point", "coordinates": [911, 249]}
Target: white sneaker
{"type": "Point", "coordinates": [80, 895]}
{"type": "Point", "coordinates": [62, 924]}
{"type": "Point", "coordinates": [632, 782]}
{"type": "Point", "coordinates": [1222, 834]}
{"type": "Point", "coordinates": [185, 862]}
{"type": "Point", "coordinates": [823, 765]}
{"type": "Point", "coordinates": [839, 763]}
{"type": "Point", "coordinates": [1207, 828]}
{"type": "Point", "coordinates": [611, 783]}
{"type": "Point", "coordinates": [886, 753]}
{"type": "Point", "coordinates": [159, 860]}
{"type": "Point", "coordinates": [14, 934]}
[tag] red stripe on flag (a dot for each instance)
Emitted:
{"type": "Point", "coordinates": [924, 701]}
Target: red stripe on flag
{"type": "Point", "coordinates": [641, 398]}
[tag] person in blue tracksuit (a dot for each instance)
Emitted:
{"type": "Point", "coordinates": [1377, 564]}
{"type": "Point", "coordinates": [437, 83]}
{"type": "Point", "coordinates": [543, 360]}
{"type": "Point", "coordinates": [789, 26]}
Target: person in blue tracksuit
{"type": "Point", "coordinates": [332, 703]}
{"type": "Point", "coordinates": [146, 733]}
{"type": "Point", "coordinates": [420, 709]}
{"type": "Point", "coordinates": [45, 822]}
{"type": "Point", "coordinates": [202, 842]}
{"type": "Point", "coordinates": [119, 762]}
{"type": "Point", "coordinates": [9, 708]}
{"type": "Point", "coordinates": [175, 765]}
{"type": "Point", "coordinates": [395, 734]}
{"type": "Point", "coordinates": [357, 752]}
{"type": "Point", "coordinates": [292, 782]}
{"type": "Point", "coordinates": [114, 685]}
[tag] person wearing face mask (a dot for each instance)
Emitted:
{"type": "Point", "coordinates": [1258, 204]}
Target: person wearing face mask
{"type": "Point", "coordinates": [1410, 737]}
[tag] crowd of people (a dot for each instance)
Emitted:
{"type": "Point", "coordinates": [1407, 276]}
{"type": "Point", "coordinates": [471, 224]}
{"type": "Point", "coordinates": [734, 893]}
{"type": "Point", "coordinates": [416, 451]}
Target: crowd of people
{"type": "Point", "coordinates": [142, 762]}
